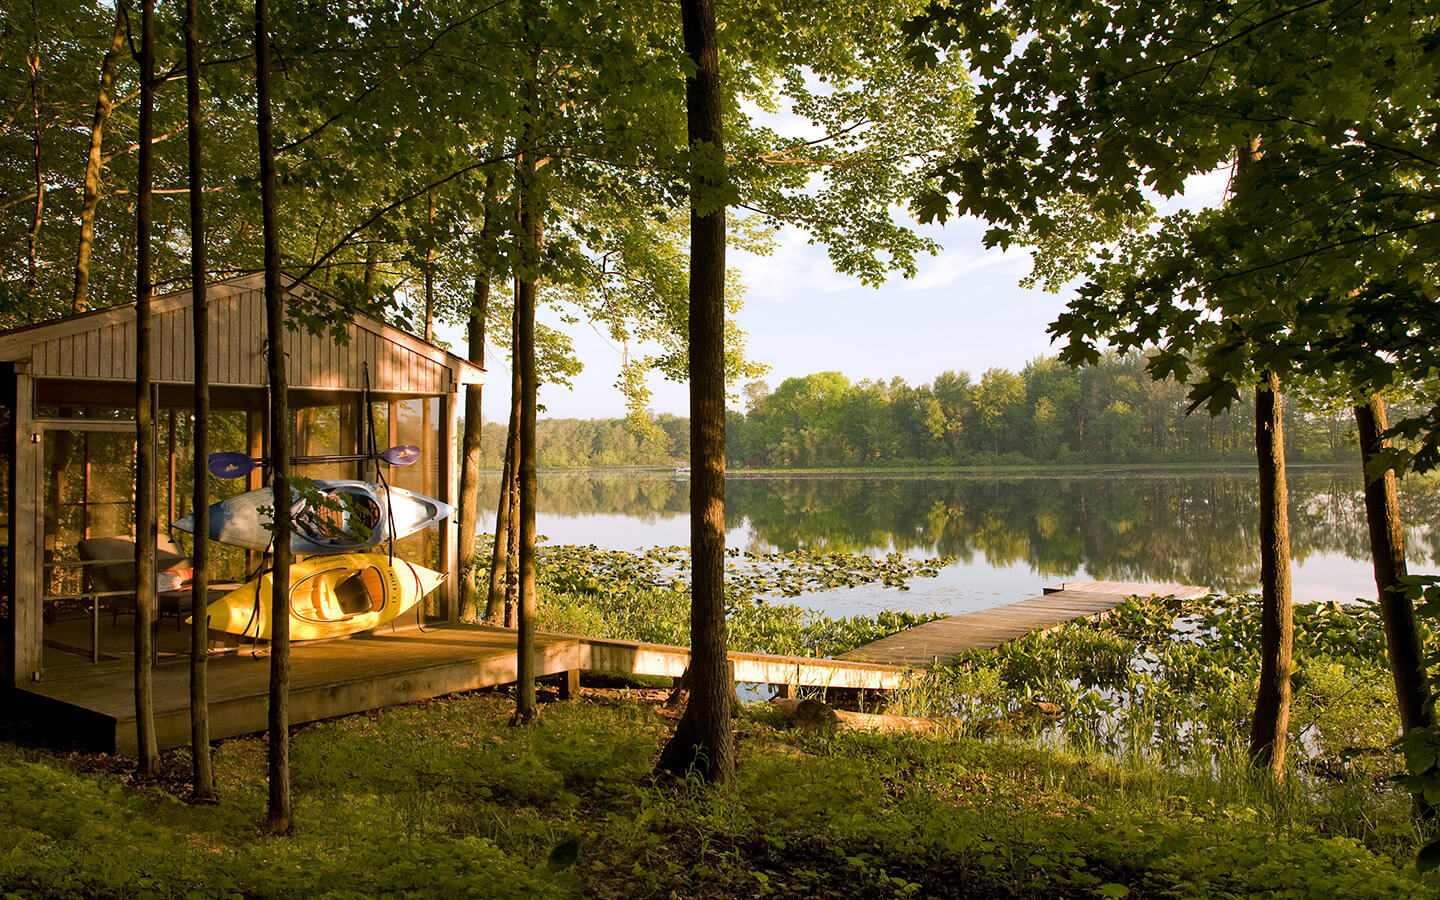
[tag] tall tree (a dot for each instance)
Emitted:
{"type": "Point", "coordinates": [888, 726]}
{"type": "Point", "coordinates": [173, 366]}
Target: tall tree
{"type": "Point", "coordinates": [470, 451]}
{"type": "Point", "coordinates": [93, 162]}
{"type": "Point", "coordinates": [704, 740]}
{"type": "Point", "coordinates": [202, 783]}
{"type": "Point", "coordinates": [1387, 552]}
{"type": "Point", "coordinates": [1270, 726]}
{"type": "Point", "coordinates": [279, 814]}
{"type": "Point", "coordinates": [145, 477]}
{"type": "Point", "coordinates": [531, 219]}
{"type": "Point", "coordinates": [502, 556]}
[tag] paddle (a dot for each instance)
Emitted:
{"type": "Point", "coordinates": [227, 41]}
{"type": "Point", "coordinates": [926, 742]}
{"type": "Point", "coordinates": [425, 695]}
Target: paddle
{"type": "Point", "coordinates": [228, 464]}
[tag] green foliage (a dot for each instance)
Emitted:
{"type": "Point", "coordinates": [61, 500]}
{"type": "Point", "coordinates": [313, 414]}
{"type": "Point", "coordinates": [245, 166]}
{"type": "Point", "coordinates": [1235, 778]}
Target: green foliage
{"type": "Point", "coordinates": [1111, 411]}
{"type": "Point", "coordinates": [1163, 685]}
{"type": "Point", "coordinates": [443, 798]}
{"type": "Point", "coordinates": [1317, 266]}
{"type": "Point", "coordinates": [642, 597]}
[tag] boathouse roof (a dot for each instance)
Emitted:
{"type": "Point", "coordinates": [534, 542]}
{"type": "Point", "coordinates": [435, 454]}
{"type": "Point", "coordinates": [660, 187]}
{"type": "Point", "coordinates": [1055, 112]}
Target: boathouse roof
{"type": "Point", "coordinates": [100, 346]}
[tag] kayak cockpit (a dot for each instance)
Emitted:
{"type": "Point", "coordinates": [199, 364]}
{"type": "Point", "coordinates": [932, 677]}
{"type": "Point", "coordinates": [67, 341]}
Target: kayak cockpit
{"type": "Point", "coordinates": [337, 594]}
{"type": "Point", "coordinates": [345, 518]}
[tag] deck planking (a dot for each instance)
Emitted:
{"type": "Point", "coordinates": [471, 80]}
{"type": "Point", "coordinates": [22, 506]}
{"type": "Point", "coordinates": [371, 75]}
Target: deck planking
{"type": "Point", "coordinates": [942, 641]}
{"type": "Point", "coordinates": [94, 704]}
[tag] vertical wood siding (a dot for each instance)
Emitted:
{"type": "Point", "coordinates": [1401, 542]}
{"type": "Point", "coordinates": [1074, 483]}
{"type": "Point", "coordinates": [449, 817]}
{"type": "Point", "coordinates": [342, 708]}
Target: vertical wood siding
{"type": "Point", "coordinates": [237, 336]}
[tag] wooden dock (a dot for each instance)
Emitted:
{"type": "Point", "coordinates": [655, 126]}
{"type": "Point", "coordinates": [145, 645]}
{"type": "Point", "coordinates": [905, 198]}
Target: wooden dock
{"type": "Point", "coordinates": [940, 642]}
{"type": "Point", "coordinates": [94, 705]}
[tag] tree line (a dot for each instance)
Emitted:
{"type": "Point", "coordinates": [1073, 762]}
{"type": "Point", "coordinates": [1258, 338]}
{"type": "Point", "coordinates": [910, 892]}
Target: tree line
{"type": "Point", "coordinates": [1109, 411]}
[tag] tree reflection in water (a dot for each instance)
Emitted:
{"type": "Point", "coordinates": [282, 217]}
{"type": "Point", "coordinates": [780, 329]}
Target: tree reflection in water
{"type": "Point", "coordinates": [1195, 527]}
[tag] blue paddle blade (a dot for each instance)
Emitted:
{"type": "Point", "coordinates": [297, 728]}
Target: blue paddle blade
{"type": "Point", "coordinates": [404, 455]}
{"type": "Point", "coordinates": [231, 465]}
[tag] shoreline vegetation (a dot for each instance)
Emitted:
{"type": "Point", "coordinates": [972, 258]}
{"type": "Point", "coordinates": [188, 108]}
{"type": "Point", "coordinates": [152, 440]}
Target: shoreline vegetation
{"type": "Point", "coordinates": [1097, 760]}
{"type": "Point", "coordinates": [1108, 413]}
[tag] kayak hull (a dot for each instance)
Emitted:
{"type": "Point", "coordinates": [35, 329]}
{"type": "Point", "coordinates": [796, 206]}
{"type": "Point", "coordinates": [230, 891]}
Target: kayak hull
{"type": "Point", "coordinates": [360, 516]}
{"type": "Point", "coordinates": [330, 596]}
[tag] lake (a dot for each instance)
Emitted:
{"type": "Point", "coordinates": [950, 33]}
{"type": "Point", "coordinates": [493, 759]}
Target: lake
{"type": "Point", "coordinates": [1010, 535]}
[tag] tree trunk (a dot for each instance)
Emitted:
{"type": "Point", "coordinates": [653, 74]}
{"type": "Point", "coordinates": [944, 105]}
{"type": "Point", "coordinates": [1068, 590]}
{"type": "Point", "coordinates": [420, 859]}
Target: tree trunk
{"type": "Point", "coordinates": [202, 783]}
{"type": "Point", "coordinates": [507, 543]}
{"type": "Point", "coordinates": [1387, 552]}
{"type": "Point", "coordinates": [470, 454]}
{"type": "Point", "coordinates": [512, 561]}
{"type": "Point", "coordinates": [279, 814]}
{"type": "Point", "coordinates": [525, 706]}
{"type": "Point", "coordinates": [1277, 628]}
{"type": "Point", "coordinates": [91, 196]}
{"type": "Point", "coordinates": [704, 741]}
{"type": "Point", "coordinates": [430, 272]}
{"type": "Point", "coordinates": [32, 272]}
{"type": "Point", "coordinates": [145, 601]}
{"type": "Point", "coordinates": [474, 419]}
{"type": "Point", "coordinates": [372, 266]}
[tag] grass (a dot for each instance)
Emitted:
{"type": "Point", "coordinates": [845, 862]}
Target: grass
{"type": "Point", "coordinates": [445, 799]}
{"type": "Point", "coordinates": [1094, 761]}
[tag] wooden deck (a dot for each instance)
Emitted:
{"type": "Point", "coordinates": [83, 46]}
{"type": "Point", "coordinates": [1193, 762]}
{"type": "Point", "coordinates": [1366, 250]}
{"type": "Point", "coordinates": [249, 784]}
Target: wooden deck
{"type": "Point", "coordinates": [940, 642]}
{"type": "Point", "coordinates": [93, 705]}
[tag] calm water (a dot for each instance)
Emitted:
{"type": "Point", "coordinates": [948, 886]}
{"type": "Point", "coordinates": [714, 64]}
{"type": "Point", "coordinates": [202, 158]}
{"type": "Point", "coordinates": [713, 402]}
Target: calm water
{"type": "Point", "coordinates": [1010, 536]}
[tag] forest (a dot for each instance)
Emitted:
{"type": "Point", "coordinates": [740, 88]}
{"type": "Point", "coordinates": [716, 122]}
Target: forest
{"type": "Point", "coordinates": [1110, 411]}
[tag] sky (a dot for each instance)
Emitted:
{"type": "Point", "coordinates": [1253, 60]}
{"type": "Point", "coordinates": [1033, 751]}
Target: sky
{"type": "Point", "coordinates": [963, 311]}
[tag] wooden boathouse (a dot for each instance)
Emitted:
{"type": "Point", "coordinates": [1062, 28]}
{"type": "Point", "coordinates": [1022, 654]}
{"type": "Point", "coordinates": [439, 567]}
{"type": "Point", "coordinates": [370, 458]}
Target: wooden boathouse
{"type": "Point", "coordinates": [67, 410]}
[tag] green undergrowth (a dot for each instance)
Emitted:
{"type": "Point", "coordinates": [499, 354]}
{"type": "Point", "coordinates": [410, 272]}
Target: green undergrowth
{"type": "Point", "coordinates": [445, 799]}
{"type": "Point", "coordinates": [1167, 687]}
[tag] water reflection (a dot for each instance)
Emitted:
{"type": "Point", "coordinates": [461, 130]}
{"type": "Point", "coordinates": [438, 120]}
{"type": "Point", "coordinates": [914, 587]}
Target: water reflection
{"type": "Point", "coordinates": [1190, 527]}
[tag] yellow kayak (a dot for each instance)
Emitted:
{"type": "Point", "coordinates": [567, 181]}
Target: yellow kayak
{"type": "Point", "coordinates": [329, 596]}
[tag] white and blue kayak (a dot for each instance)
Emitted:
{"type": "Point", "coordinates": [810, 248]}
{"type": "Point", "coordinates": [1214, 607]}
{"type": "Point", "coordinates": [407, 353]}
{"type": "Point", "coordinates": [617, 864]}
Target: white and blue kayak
{"type": "Point", "coordinates": [349, 517]}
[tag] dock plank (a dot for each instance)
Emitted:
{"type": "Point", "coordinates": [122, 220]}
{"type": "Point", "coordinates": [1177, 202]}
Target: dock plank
{"type": "Point", "coordinates": [941, 642]}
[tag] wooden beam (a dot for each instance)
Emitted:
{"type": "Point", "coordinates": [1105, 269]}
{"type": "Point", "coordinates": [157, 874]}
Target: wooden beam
{"type": "Point", "coordinates": [450, 494]}
{"type": "Point", "coordinates": [27, 533]}
{"type": "Point", "coordinates": [598, 654]}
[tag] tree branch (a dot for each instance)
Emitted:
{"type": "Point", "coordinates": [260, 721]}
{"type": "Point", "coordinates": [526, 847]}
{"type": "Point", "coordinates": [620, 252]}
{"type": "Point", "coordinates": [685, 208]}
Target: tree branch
{"type": "Point", "coordinates": [395, 204]}
{"type": "Point", "coordinates": [285, 148]}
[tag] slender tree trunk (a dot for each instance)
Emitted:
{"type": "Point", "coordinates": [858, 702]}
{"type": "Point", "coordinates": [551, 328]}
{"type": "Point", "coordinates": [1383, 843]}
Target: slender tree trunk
{"type": "Point", "coordinates": [32, 272]}
{"type": "Point", "coordinates": [279, 816]}
{"type": "Point", "coordinates": [474, 419]}
{"type": "Point", "coordinates": [525, 705]}
{"type": "Point", "coordinates": [704, 741]}
{"type": "Point", "coordinates": [145, 600]}
{"type": "Point", "coordinates": [202, 783]}
{"type": "Point", "coordinates": [470, 453]}
{"type": "Point", "coordinates": [430, 272]}
{"type": "Point", "coordinates": [507, 543]}
{"type": "Point", "coordinates": [512, 540]}
{"type": "Point", "coordinates": [91, 197]}
{"type": "Point", "coordinates": [1277, 629]}
{"type": "Point", "coordinates": [1387, 552]}
{"type": "Point", "coordinates": [372, 266]}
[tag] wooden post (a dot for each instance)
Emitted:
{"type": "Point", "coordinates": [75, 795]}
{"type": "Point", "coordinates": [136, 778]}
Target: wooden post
{"type": "Point", "coordinates": [449, 529]}
{"type": "Point", "coordinates": [27, 603]}
{"type": "Point", "coordinates": [570, 687]}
